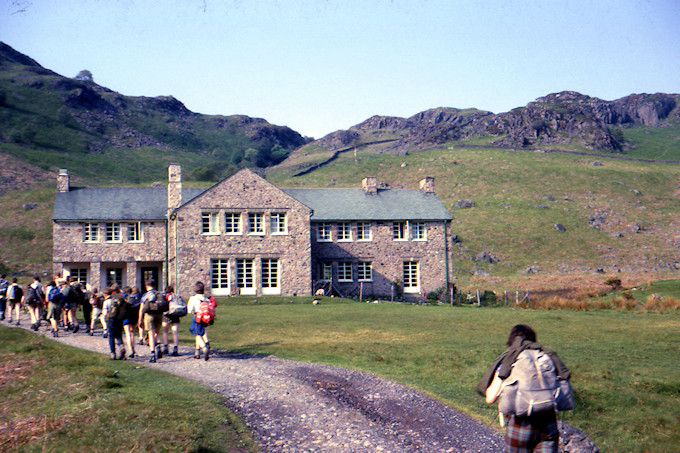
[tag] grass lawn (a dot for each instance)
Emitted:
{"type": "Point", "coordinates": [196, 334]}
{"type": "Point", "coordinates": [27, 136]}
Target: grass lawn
{"type": "Point", "coordinates": [58, 398]}
{"type": "Point", "coordinates": [624, 365]}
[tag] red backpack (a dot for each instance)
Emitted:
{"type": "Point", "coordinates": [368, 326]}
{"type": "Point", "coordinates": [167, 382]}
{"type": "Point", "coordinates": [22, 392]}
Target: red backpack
{"type": "Point", "coordinates": [206, 311]}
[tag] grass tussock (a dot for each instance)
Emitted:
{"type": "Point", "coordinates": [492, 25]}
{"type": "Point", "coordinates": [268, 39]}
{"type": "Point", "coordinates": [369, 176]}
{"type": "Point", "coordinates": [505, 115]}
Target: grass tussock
{"type": "Point", "coordinates": [586, 300]}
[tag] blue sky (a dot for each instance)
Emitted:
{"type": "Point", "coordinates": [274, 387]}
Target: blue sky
{"type": "Point", "coordinates": [318, 66]}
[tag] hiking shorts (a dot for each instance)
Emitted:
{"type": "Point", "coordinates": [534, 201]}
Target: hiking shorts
{"type": "Point", "coordinates": [153, 322]}
{"type": "Point", "coordinates": [53, 311]}
{"type": "Point", "coordinates": [171, 319]}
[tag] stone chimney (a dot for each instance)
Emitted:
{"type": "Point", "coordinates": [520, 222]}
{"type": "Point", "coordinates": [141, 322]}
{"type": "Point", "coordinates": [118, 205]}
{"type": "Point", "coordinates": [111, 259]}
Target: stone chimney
{"type": "Point", "coordinates": [427, 184]}
{"type": "Point", "coordinates": [370, 185]}
{"type": "Point", "coordinates": [63, 181]}
{"type": "Point", "coordinates": [174, 186]}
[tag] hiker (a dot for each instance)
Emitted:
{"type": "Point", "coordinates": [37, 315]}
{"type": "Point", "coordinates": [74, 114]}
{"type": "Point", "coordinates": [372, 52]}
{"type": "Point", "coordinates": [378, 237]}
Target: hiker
{"type": "Point", "coordinates": [73, 296]}
{"type": "Point", "coordinates": [87, 307]}
{"type": "Point", "coordinates": [130, 319]}
{"type": "Point", "coordinates": [535, 431]}
{"type": "Point", "coordinates": [14, 296]}
{"type": "Point", "coordinates": [135, 299]}
{"type": "Point", "coordinates": [97, 303]}
{"type": "Point", "coordinates": [54, 301]}
{"type": "Point", "coordinates": [171, 322]}
{"type": "Point", "coordinates": [151, 312]}
{"type": "Point", "coordinates": [4, 284]}
{"type": "Point", "coordinates": [114, 312]}
{"type": "Point", "coordinates": [198, 325]}
{"type": "Point", "coordinates": [33, 300]}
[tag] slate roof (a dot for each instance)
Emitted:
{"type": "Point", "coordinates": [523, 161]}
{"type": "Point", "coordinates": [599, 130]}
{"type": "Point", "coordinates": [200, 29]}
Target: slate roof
{"type": "Point", "coordinates": [116, 203]}
{"type": "Point", "coordinates": [356, 204]}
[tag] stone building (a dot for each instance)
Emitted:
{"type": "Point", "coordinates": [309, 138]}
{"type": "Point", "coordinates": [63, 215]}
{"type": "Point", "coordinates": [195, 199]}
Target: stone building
{"type": "Point", "coordinates": [246, 236]}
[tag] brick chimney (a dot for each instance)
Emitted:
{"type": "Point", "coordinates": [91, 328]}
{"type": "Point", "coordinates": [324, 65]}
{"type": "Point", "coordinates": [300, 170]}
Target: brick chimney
{"type": "Point", "coordinates": [370, 185]}
{"type": "Point", "coordinates": [63, 181]}
{"type": "Point", "coordinates": [174, 186]}
{"type": "Point", "coordinates": [427, 184]}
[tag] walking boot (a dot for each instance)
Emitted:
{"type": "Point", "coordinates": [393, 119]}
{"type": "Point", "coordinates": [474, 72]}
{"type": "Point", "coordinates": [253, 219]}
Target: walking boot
{"type": "Point", "coordinates": [153, 358]}
{"type": "Point", "coordinates": [197, 353]}
{"type": "Point", "coordinates": [76, 326]}
{"type": "Point", "coordinates": [159, 352]}
{"type": "Point", "coordinates": [165, 350]}
{"type": "Point", "coordinates": [174, 351]}
{"type": "Point", "coordinates": [206, 350]}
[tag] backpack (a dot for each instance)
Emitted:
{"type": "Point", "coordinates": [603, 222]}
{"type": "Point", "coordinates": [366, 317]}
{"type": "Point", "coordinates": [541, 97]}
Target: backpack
{"type": "Point", "coordinates": [31, 297]}
{"type": "Point", "coordinates": [14, 292]}
{"type": "Point", "coordinates": [533, 387]}
{"type": "Point", "coordinates": [177, 306]}
{"type": "Point", "coordinates": [118, 307]}
{"type": "Point", "coordinates": [52, 295]}
{"type": "Point", "coordinates": [154, 304]}
{"type": "Point", "coordinates": [206, 311]}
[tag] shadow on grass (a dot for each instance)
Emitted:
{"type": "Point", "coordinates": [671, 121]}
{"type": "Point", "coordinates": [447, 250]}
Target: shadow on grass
{"type": "Point", "coordinates": [244, 352]}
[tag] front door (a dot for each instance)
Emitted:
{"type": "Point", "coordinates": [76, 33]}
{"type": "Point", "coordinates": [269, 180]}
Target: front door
{"type": "Point", "coordinates": [150, 273]}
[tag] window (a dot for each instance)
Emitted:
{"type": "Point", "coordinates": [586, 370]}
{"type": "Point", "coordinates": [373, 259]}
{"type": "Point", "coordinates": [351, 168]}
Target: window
{"type": "Point", "coordinates": [327, 271]}
{"type": "Point", "coordinates": [411, 284]}
{"type": "Point", "coordinates": [344, 231]}
{"type": "Point", "coordinates": [270, 275]}
{"type": "Point", "coordinates": [114, 276]}
{"type": "Point", "coordinates": [219, 275]}
{"type": "Point", "coordinates": [255, 223]}
{"type": "Point", "coordinates": [365, 271]}
{"type": "Point", "coordinates": [323, 232]}
{"type": "Point", "coordinates": [278, 223]}
{"type": "Point", "coordinates": [209, 222]}
{"type": "Point", "coordinates": [113, 232]}
{"type": "Point", "coordinates": [79, 275]}
{"type": "Point", "coordinates": [232, 223]}
{"type": "Point", "coordinates": [345, 272]}
{"type": "Point", "coordinates": [91, 232]}
{"type": "Point", "coordinates": [399, 231]}
{"type": "Point", "coordinates": [244, 276]}
{"type": "Point", "coordinates": [363, 231]}
{"type": "Point", "coordinates": [135, 232]}
{"type": "Point", "coordinates": [418, 231]}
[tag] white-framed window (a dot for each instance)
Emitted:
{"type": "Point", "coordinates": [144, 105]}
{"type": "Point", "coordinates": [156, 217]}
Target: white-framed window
{"type": "Point", "coordinates": [135, 233]}
{"type": "Point", "coordinates": [219, 275]}
{"type": "Point", "coordinates": [255, 223]}
{"type": "Point", "coordinates": [399, 231]}
{"type": "Point", "coordinates": [279, 223]}
{"type": "Point", "coordinates": [345, 271]}
{"type": "Point", "coordinates": [114, 275]}
{"type": "Point", "coordinates": [411, 280]}
{"type": "Point", "coordinates": [365, 271]}
{"type": "Point", "coordinates": [113, 232]}
{"type": "Point", "coordinates": [79, 274]}
{"type": "Point", "coordinates": [344, 231]}
{"type": "Point", "coordinates": [364, 231]}
{"type": "Point", "coordinates": [91, 232]}
{"type": "Point", "coordinates": [270, 276]}
{"type": "Point", "coordinates": [326, 271]}
{"type": "Point", "coordinates": [232, 223]}
{"type": "Point", "coordinates": [418, 231]}
{"type": "Point", "coordinates": [244, 276]}
{"type": "Point", "coordinates": [323, 232]}
{"type": "Point", "coordinates": [209, 223]}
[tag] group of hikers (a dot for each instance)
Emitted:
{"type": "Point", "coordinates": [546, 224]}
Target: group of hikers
{"type": "Point", "coordinates": [120, 311]}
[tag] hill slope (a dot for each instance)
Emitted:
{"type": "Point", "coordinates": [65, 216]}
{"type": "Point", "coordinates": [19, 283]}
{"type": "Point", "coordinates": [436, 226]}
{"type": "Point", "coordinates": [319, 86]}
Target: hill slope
{"type": "Point", "coordinates": [53, 121]}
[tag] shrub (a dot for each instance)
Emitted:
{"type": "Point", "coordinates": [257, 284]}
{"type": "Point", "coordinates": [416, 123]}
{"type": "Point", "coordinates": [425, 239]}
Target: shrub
{"type": "Point", "coordinates": [614, 282]}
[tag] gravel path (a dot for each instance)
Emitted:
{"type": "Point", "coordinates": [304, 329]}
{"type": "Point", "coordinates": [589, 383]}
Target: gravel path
{"type": "Point", "coordinates": [304, 407]}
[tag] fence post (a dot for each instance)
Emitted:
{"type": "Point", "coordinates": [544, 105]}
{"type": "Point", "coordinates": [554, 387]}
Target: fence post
{"type": "Point", "coordinates": [361, 291]}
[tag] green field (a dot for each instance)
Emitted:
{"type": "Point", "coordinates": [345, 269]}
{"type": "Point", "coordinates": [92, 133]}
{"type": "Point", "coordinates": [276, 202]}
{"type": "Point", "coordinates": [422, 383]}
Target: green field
{"type": "Point", "coordinates": [55, 397]}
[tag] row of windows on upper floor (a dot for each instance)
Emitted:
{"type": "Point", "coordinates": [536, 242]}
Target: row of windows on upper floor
{"type": "Point", "coordinates": [237, 223]}
{"type": "Point", "coordinates": [113, 232]}
{"type": "Point", "coordinates": [344, 231]}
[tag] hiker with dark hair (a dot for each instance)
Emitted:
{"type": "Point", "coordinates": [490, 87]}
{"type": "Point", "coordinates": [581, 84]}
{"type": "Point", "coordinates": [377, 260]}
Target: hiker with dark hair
{"type": "Point", "coordinates": [198, 304]}
{"type": "Point", "coordinates": [130, 319]}
{"type": "Point", "coordinates": [534, 429]}
{"type": "Point", "coordinates": [54, 301]}
{"type": "Point", "coordinates": [33, 300]}
{"type": "Point", "coordinates": [114, 312]}
{"type": "Point", "coordinates": [73, 298]}
{"type": "Point", "coordinates": [4, 284]}
{"type": "Point", "coordinates": [97, 303]}
{"type": "Point", "coordinates": [152, 310]}
{"type": "Point", "coordinates": [170, 322]}
{"type": "Point", "coordinates": [14, 296]}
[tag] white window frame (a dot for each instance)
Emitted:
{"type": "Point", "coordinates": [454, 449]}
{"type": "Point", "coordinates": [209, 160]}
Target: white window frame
{"type": "Point", "coordinates": [345, 268]}
{"type": "Point", "coordinates": [326, 270]}
{"type": "Point", "coordinates": [411, 276]}
{"type": "Point", "coordinates": [112, 232]}
{"type": "Point", "coordinates": [365, 271]}
{"type": "Point", "coordinates": [270, 276]}
{"type": "Point", "coordinates": [135, 232]}
{"type": "Point", "coordinates": [233, 223]}
{"type": "Point", "coordinates": [418, 231]}
{"type": "Point", "coordinates": [399, 231]}
{"type": "Point", "coordinates": [245, 276]}
{"type": "Point", "coordinates": [278, 223]}
{"type": "Point", "coordinates": [364, 232]}
{"type": "Point", "coordinates": [323, 232]}
{"type": "Point", "coordinates": [91, 232]}
{"type": "Point", "coordinates": [219, 276]}
{"type": "Point", "coordinates": [117, 272]}
{"type": "Point", "coordinates": [79, 274]}
{"type": "Point", "coordinates": [210, 223]}
{"type": "Point", "coordinates": [256, 224]}
{"type": "Point", "coordinates": [344, 232]}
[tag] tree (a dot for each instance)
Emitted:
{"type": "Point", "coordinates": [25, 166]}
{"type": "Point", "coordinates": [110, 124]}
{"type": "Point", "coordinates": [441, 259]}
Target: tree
{"type": "Point", "coordinates": [85, 76]}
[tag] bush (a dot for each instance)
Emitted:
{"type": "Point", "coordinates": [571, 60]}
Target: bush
{"type": "Point", "coordinates": [614, 282]}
